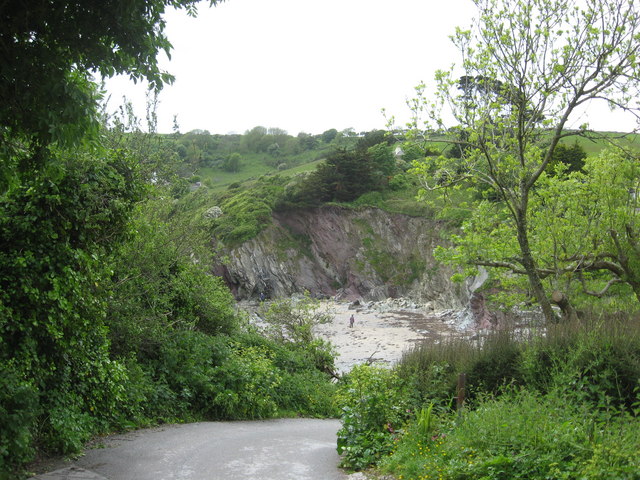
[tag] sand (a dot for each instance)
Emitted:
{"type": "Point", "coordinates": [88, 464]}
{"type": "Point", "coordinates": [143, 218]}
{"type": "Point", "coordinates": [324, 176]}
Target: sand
{"type": "Point", "coordinates": [381, 334]}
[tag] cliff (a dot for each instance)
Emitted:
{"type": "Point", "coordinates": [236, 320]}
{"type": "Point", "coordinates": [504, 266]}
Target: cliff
{"type": "Point", "coordinates": [351, 254]}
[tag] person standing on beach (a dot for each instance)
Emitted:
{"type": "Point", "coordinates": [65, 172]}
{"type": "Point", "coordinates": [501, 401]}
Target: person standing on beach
{"type": "Point", "coordinates": [352, 320]}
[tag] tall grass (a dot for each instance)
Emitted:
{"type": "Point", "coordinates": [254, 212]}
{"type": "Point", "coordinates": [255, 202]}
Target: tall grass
{"type": "Point", "coordinates": [563, 402]}
{"type": "Point", "coordinates": [598, 350]}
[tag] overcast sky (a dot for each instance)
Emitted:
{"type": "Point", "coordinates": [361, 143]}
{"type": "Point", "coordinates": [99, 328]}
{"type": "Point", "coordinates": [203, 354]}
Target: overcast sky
{"type": "Point", "coordinates": [304, 65]}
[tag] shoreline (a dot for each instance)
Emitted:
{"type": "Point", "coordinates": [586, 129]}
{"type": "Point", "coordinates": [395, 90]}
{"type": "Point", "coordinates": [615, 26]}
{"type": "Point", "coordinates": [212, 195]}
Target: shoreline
{"type": "Point", "coordinates": [383, 331]}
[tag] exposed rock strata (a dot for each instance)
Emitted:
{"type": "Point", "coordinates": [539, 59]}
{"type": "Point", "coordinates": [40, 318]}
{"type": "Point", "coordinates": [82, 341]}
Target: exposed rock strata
{"type": "Point", "coordinates": [344, 253]}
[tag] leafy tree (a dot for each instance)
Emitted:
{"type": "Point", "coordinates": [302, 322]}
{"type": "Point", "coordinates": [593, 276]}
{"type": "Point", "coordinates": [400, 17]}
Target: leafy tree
{"type": "Point", "coordinates": [383, 164]}
{"type": "Point", "coordinates": [50, 50]}
{"type": "Point", "coordinates": [550, 57]}
{"type": "Point", "coordinates": [160, 283]}
{"type": "Point", "coordinates": [274, 150]}
{"type": "Point", "coordinates": [292, 322]}
{"type": "Point", "coordinates": [374, 137]}
{"type": "Point", "coordinates": [55, 233]}
{"type": "Point", "coordinates": [329, 135]}
{"type": "Point", "coordinates": [307, 141]}
{"type": "Point", "coordinates": [66, 202]}
{"type": "Point", "coordinates": [199, 146]}
{"type": "Point", "coordinates": [158, 156]}
{"type": "Point", "coordinates": [344, 176]}
{"type": "Point", "coordinates": [253, 139]}
{"type": "Point", "coordinates": [590, 222]}
{"type": "Point", "coordinates": [572, 156]}
{"type": "Point", "coordinates": [232, 162]}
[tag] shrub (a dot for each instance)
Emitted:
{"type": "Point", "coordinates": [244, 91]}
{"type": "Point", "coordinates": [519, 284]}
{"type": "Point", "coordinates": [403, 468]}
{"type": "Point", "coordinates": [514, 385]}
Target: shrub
{"type": "Point", "coordinates": [18, 411]}
{"type": "Point", "coordinates": [522, 434]}
{"type": "Point", "coordinates": [374, 405]}
{"type": "Point", "coordinates": [562, 405]}
{"type": "Point", "coordinates": [433, 369]}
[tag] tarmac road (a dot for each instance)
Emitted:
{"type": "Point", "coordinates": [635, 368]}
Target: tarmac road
{"type": "Point", "coordinates": [296, 449]}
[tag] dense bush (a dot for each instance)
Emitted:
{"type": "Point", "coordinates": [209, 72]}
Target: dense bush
{"type": "Point", "coordinates": [248, 212]}
{"type": "Point", "coordinates": [563, 404]}
{"type": "Point", "coordinates": [19, 409]}
{"type": "Point", "coordinates": [375, 406]}
{"type": "Point", "coordinates": [522, 434]}
{"type": "Point", "coordinates": [58, 226]}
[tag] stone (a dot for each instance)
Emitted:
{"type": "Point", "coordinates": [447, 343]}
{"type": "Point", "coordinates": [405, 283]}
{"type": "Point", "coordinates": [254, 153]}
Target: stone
{"type": "Point", "coordinates": [347, 255]}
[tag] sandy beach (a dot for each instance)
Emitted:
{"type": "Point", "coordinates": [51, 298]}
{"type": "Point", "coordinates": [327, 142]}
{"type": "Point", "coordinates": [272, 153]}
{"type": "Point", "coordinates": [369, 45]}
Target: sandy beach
{"type": "Point", "coordinates": [382, 331]}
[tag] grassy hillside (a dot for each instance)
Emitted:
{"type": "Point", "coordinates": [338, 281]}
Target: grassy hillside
{"type": "Point", "coordinates": [270, 178]}
{"type": "Point", "coordinates": [254, 166]}
{"type": "Point", "coordinates": [593, 147]}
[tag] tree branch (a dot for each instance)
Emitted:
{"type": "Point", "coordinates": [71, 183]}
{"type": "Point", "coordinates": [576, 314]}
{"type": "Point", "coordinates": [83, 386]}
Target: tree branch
{"type": "Point", "coordinates": [602, 292]}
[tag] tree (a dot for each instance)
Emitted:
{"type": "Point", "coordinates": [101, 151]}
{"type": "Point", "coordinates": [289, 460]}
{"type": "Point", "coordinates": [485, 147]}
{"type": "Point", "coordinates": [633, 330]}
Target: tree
{"type": "Point", "coordinates": [383, 164]}
{"type": "Point", "coordinates": [306, 141]}
{"type": "Point", "coordinates": [572, 156]}
{"type": "Point", "coordinates": [343, 177]}
{"type": "Point", "coordinates": [583, 231]}
{"type": "Point", "coordinates": [328, 135]}
{"type": "Point", "coordinates": [292, 322]}
{"type": "Point", "coordinates": [592, 225]}
{"type": "Point", "coordinates": [550, 57]}
{"type": "Point", "coordinates": [56, 232]}
{"type": "Point", "coordinates": [232, 163]}
{"type": "Point", "coordinates": [66, 201]}
{"type": "Point", "coordinates": [50, 51]}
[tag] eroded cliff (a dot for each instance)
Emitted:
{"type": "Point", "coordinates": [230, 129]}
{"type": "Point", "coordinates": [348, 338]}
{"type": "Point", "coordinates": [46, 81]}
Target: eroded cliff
{"type": "Point", "coordinates": [351, 254]}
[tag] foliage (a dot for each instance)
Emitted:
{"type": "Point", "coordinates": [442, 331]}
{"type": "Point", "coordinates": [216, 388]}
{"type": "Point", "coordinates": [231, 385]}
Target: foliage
{"type": "Point", "coordinates": [572, 156]}
{"type": "Point", "coordinates": [157, 158]}
{"type": "Point", "coordinates": [193, 375]}
{"type": "Point", "coordinates": [328, 135]}
{"type": "Point", "coordinates": [565, 401]}
{"type": "Point", "coordinates": [522, 435]}
{"type": "Point", "coordinates": [56, 230]}
{"type": "Point", "coordinates": [232, 162]}
{"type": "Point", "coordinates": [600, 355]}
{"type": "Point", "coordinates": [63, 45]}
{"type": "Point", "coordinates": [374, 404]}
{"type": "Point", "coordinates": [291, 321]}
{"type": "Point", "coordinates": [19, 408]}
{"type": "Point", "coordinates": [305, 388]}
{"type": "Point", "coordinates": [347, 174]}
{"type": "Point", "coordinates": [512, 105]}
{"type": "Point", "coordinates": [160, 275]}
{"type": "Point", "coordinates": [248, 212]}
{"type": "Point", "coordinates": [582, 232]}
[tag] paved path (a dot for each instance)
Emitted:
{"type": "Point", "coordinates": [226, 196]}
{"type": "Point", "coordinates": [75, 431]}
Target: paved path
{"type": "Point", "coordinates": [300, 449]}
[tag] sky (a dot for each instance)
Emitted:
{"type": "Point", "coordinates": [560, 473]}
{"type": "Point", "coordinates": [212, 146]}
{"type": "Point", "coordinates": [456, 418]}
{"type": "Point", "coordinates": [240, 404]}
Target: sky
{"type": "Point", "coordinates": [303, 65]}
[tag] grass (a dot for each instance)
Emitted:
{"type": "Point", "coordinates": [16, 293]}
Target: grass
{"type": "Point", "coordinates": [255, 165]}
{"type": "Point", "coordinates": [591, 147]}
{"type": "Point", "coordinates": [562, 404]}
{"type": "Point", "coordinates": [522, 434]}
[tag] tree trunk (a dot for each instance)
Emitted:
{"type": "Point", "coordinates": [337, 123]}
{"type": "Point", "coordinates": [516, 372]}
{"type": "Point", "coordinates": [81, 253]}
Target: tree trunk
{"type": "Point", "coordinates": [560, 299]}
{"type": "Point", "coordinates": [529, 266]}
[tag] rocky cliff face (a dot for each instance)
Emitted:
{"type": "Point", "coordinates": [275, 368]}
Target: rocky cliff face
{"type": "Point", "coordinates": [351, 254]}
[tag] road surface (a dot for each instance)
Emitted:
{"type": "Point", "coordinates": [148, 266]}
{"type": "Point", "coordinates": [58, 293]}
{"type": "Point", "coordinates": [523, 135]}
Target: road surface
{"type": "Point", "coordinates": [295, 449]}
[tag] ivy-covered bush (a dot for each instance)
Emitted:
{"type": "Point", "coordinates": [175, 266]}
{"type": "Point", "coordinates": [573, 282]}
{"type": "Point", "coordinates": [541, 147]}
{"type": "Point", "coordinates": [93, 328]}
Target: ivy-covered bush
{"type": "Point", "coordinates": [375, 405]}
{"type": "Point", "coordinates": [57, 227]}
{"type": "Point", "coordinates": [19, 409]}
